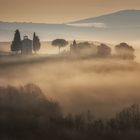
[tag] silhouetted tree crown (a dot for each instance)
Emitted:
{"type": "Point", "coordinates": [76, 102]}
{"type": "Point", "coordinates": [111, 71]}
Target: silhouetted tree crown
{"type": "Point", "coordinates": [84, 45]}
{"type": "Point", "coordinates": [74, 43]}
{"type": "Point", "coordinates": [59, 43]}
{"type": "Point", "coordinates": [36, 43]}
{"type": "Point", "coordinates": [26, 102]}
{"type": "Point", "coordinates": [125, 51]}
{"type": "Point", "coordinates": [16, 43]}
{"type": "Point", "coordinates": [82, 49]}
{"type": "Point", "coordinates": [73, 47]}
{"type": "Point", "coordinates": [103, 50]}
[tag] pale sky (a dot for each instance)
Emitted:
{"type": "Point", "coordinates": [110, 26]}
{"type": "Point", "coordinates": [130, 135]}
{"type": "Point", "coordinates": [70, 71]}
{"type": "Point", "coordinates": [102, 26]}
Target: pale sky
{"type": "Point", "coordinates": [60, 11]}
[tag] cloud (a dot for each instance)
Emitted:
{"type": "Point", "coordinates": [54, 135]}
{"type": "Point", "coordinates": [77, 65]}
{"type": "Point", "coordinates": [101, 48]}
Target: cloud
{"type": "Point", "coordinates": [95, 25]}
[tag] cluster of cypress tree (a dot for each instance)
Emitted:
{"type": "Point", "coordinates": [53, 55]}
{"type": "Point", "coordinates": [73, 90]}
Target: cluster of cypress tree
{"type": "Point", "coordinates": [16, 45]}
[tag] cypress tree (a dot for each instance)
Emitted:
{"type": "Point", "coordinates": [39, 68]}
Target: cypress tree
{"type": "Point", "coordinates": [74, 43]}
{"type": "Point", "coordinates": [16, 43]}
{"type": "Point", "coordinates": [36, 43]}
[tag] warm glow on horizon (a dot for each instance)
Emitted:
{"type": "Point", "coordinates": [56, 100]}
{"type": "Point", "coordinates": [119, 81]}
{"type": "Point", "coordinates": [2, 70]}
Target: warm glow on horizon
{"type": "Point", "coordinates": [59, 11]}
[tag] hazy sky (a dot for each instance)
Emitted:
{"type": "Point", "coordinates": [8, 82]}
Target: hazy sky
{"type": "Point", "coordinates": [59, 11]}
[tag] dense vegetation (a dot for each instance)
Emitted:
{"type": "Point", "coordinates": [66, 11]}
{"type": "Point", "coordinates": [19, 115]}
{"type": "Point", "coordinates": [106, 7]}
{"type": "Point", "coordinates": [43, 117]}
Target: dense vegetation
{"type": "Point", "coordinates": [27, 114]}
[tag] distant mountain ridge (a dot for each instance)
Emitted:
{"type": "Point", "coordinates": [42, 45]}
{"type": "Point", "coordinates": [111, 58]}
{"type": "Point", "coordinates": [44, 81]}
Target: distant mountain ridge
{"type": "Point", "coordinates": [119, 26]}
{"type": "Point", "coordinates": [128, 18]}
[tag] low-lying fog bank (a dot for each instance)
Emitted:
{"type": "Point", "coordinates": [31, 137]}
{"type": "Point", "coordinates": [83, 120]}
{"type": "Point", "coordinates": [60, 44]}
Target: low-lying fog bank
{"type": "Point", "coordinates": [102, 86]}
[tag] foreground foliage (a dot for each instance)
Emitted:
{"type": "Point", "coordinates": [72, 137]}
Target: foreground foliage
{"type": "Point", "coordinates": [26, 113]}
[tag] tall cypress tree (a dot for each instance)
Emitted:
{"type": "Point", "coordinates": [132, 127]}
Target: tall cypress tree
{"type": "Point", "coordinates": [36, 43]}
{"type": "Point", "coordinates": [16, 43]}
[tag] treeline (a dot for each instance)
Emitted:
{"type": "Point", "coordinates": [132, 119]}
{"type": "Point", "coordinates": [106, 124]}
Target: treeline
{"type": "Point", "coordinates": [122, 50]}
{"type": "Point", "coordinates": [84, 49]}
{"type": "Point", "coordinates": [26, 113]}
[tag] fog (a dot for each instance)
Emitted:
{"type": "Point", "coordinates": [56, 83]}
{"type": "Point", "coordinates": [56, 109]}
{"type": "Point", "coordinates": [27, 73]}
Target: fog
{"type": "Point", "coordinates": [101, 85]}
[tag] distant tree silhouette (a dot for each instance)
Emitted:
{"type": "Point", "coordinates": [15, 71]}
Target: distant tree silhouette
{"type": "Point", "coordinates": [125, 51]}
{"type": "Point", "coordinates": [83, 45]}
{"type": "Point", "coordinates": [76, 47]}
{"type": "Point", "coordinates": [36, 43]}
{"type": "Point", "coordinates": [16, 43]}
{"type": "Point", "coordinates": [74, 43]}
{"type": "Point", "coordinates": [82, 49]}
{"type": "Point", "coordinates": [73, 47]}
{"type": "Point", "coordinates": [103, 50]}
{"type": "Point", "coordinates": [59, 43]}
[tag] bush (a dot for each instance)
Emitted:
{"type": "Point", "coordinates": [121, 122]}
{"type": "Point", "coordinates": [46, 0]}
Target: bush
{"type": "Point", "coordinates": [25, 111]}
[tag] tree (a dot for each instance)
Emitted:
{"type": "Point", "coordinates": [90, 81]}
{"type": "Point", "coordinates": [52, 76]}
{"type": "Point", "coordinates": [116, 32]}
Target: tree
{"type": "Point", "coordinates": [36, 43]}
{"type": "Point", "coordinates": [74, 43]}
{"type": "Point", "coordinates": [103, 50]}
{"type": "Point", "coordinates": [125, 51]}
{"type": "Point", "coordinates": [59, 43]}
{"type": "Point", "coordinates": [82, 49]}
{"type": "Point", "coordinates": [16, 43]}
{"type": "Point", "coordinates": [73, 47]}
{"type": "Point", "coordinates": [129, 118]}
{"type": "Point", "coordinates": [84, 45]}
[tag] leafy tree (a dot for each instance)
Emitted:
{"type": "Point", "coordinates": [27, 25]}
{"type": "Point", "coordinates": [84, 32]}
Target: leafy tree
{"type": "Point", "coordinates": [36, 43]}
{"type": "Point", "coordinates": [103, 50]}
{"type": "Point", "coordinates": [16, 43]}
{"type": "Point", "coordinates": [125, 51]}
{"type": "Point", "coordinates": [82, 49]}
{"type": "Point", "coordinates": [59, 43]}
